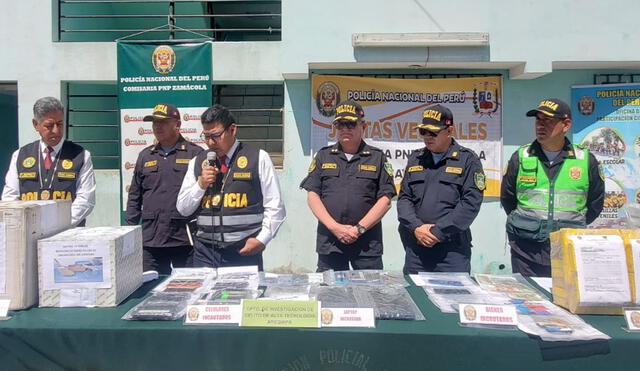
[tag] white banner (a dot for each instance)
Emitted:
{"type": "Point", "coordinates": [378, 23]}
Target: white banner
{"type": "Point", "coordinates": [136, 135]}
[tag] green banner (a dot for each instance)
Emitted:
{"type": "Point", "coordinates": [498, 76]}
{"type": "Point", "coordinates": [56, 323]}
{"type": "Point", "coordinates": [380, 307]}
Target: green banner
{"type": "Point", "coordinates": [162, 72]}
{"type": "Point", "coordinates": [179, 74]}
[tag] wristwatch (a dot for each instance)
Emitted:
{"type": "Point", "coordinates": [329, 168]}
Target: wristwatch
{"type": "Point", "coordinates": [361, 229]}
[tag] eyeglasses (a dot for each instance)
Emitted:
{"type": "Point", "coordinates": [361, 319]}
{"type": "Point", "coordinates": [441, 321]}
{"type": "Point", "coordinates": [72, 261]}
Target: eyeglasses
{"type": "Point", "coordinates": [346, 124]}
{"type": "Point", "coordinates": [425, 132]}
{"type": "Point", "coordinates": [216, 137]}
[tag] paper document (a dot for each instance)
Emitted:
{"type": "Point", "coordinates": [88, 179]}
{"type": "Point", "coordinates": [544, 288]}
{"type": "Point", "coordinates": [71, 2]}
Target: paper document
{"type": "Point", "coordinates": [76, 264]}
{"type": "Point", "coordinates": [635, 252]}
{"type": "Point", "coordinates": [601, 264]}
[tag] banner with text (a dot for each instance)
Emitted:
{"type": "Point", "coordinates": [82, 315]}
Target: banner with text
{"type": "Point", "coordinates": [606, 119]}
{"type": "Point", "coordinates": [163, 72]}
{"type": "Point", "coordinates": [393, 109]}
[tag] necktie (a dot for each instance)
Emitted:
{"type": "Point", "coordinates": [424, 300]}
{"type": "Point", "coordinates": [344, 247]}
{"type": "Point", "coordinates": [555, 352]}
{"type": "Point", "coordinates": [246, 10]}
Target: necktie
{"type": "Point", "coordinates": [47, 159]}
{"type": "Point", "coordinates": [223, 164]}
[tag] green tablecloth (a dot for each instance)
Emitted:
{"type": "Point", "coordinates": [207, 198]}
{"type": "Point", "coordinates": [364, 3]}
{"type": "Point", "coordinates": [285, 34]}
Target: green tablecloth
{"type": "Point", "coordinates": [97, 339]}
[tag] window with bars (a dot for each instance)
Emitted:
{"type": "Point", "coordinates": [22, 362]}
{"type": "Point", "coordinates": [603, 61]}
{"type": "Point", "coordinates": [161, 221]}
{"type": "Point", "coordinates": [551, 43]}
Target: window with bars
{"type": "Point", "coordinates": [615, 78]}
{"type": "Point", "coordinates": [108, 20]}
{"type": "Point", "coordinates": [258, 112]}
{"type": "Point", "coordinates": [93, 121]}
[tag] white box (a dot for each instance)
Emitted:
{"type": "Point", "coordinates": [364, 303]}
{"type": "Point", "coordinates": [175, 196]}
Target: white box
{"type": "Point", "coordinates": [90, 267]}
{"type": "Point", "coordinates": [22, 223]}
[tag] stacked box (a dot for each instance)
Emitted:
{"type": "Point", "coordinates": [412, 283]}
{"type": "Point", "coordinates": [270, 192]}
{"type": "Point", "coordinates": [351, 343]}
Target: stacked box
{"type": "Point", "coordinates": [568, 276]}
{"type": "Point", "coordinates": [90, 267]}
{"type": "Point", "coordinates": [22, 223]}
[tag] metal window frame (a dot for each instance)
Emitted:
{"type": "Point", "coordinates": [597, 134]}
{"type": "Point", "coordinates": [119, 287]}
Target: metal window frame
{"type": "Point", "coordinates": [171, 18]}
{"type": "Point", "coordinates": [615, 78]}
{"type": "Point", "coordinates": [68, 124]}
{"type": "Point", "coordinates": [216, 100]}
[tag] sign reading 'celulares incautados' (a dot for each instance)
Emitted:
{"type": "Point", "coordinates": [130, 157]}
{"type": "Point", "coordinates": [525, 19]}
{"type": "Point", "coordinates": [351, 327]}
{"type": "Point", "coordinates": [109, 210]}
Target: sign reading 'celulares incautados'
{"type": "Point", "coordinates": [161, 72]}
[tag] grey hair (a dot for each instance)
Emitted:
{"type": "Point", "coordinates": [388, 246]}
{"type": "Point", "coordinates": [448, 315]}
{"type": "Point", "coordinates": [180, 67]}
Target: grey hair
{"type": "Point", "coordinates": [46, 105]}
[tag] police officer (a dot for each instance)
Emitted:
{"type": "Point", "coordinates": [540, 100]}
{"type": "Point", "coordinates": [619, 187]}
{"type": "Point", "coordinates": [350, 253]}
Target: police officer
{"type": "Point", "coordinates": [52, 168]}
{"type": "Point", "coordinates": [236, 196]}
{"type": "Point", "coordinates": [548, 184]}
{"type": "Point", "coordinates": [156, 180]}
{"type": "Point", "coordinates": [350, 187]}
{"type": "Point", "coordinates": [440, 196]}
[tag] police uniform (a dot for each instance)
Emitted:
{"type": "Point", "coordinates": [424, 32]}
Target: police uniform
{"type": "Point", "coordinates": [152, 198]}
{"type": "Point", "coordinates": [447, 194]}
{"type": "Point", "coordinates": [541, 195]}
{"type": "Point", "coordinates": [70, 175]}
{"type": "Point", "coordinates": [527, 195]}
{"type": "Point", "coordinates": [244, 202]}
{"type": "Point", "coordinates": [348, 189]}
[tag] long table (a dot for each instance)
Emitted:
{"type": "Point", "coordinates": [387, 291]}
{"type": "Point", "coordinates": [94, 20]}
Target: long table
{"type": "Point", "coordinates": [98, 339]}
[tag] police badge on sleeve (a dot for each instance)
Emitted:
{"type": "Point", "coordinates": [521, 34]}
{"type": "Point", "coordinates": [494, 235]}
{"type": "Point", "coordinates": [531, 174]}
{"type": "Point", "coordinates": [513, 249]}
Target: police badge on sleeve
{"type": "Point", "coordinates": [388, 168]}
{"type": "Point", "coordinates": [312, 166]}
{"type": "Point", "coordinates": [480, 181]}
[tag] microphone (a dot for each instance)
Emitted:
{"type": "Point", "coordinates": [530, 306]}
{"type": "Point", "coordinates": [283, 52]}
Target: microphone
{"type": "Point", "coordinates": [211, 158]}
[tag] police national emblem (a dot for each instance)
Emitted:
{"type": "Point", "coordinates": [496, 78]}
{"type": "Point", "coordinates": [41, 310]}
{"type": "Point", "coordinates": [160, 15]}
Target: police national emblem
{"type": "Point", "coordinates": [480, 181]}
{"type": "Point", "coordinates": [575, 173]}
{"type": "Point", "coordinates": [67, 164]}
{"type": "Point", "coordinates": [29, 162]}
{"type": "Point", "coordinates": [163, 59]}
{"type": "Point", "coordinates": [586, 105]}
{"type": "Point", "coordinates": [327, 98]}
{"type": "Point", "coordinates": [242, 162]}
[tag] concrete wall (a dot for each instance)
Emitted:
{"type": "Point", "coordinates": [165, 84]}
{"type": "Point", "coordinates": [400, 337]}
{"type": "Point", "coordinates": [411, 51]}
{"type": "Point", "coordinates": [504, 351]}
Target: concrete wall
{"type": "Point", "coordinates": [538, 33]}
{"type": "Point", "coordinates": [527, 39]}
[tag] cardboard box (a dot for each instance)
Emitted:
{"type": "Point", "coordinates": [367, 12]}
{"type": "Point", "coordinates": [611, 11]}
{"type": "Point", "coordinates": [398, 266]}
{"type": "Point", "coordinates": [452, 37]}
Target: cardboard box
{"type": "Point", "coordinates": [631, 238]}
{"type": "Point", "coordinates": [22, 223]}
{"type": "Point", "coordinates": [590, 271]}
{"type": "Point", "coordinates": [90, 267]}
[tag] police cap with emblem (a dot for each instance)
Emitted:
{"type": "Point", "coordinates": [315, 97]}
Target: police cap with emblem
{"type": "Point", "coordinates": [552, 107]}
{"type": "Point", "coordinates": [348, 110]}
{"type": "Point", "coordinates": [436, 118]}
{"type": "Point", "coordinates": [163, 111]}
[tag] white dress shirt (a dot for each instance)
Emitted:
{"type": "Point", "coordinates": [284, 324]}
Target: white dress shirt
{"type": "Point", "coordinates": [85, 199]}
{"type": "Point", "coordinates": [274, 212]}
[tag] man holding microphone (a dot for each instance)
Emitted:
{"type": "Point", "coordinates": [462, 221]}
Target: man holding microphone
{"type": "Point", "coordinates": [235, 195]}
